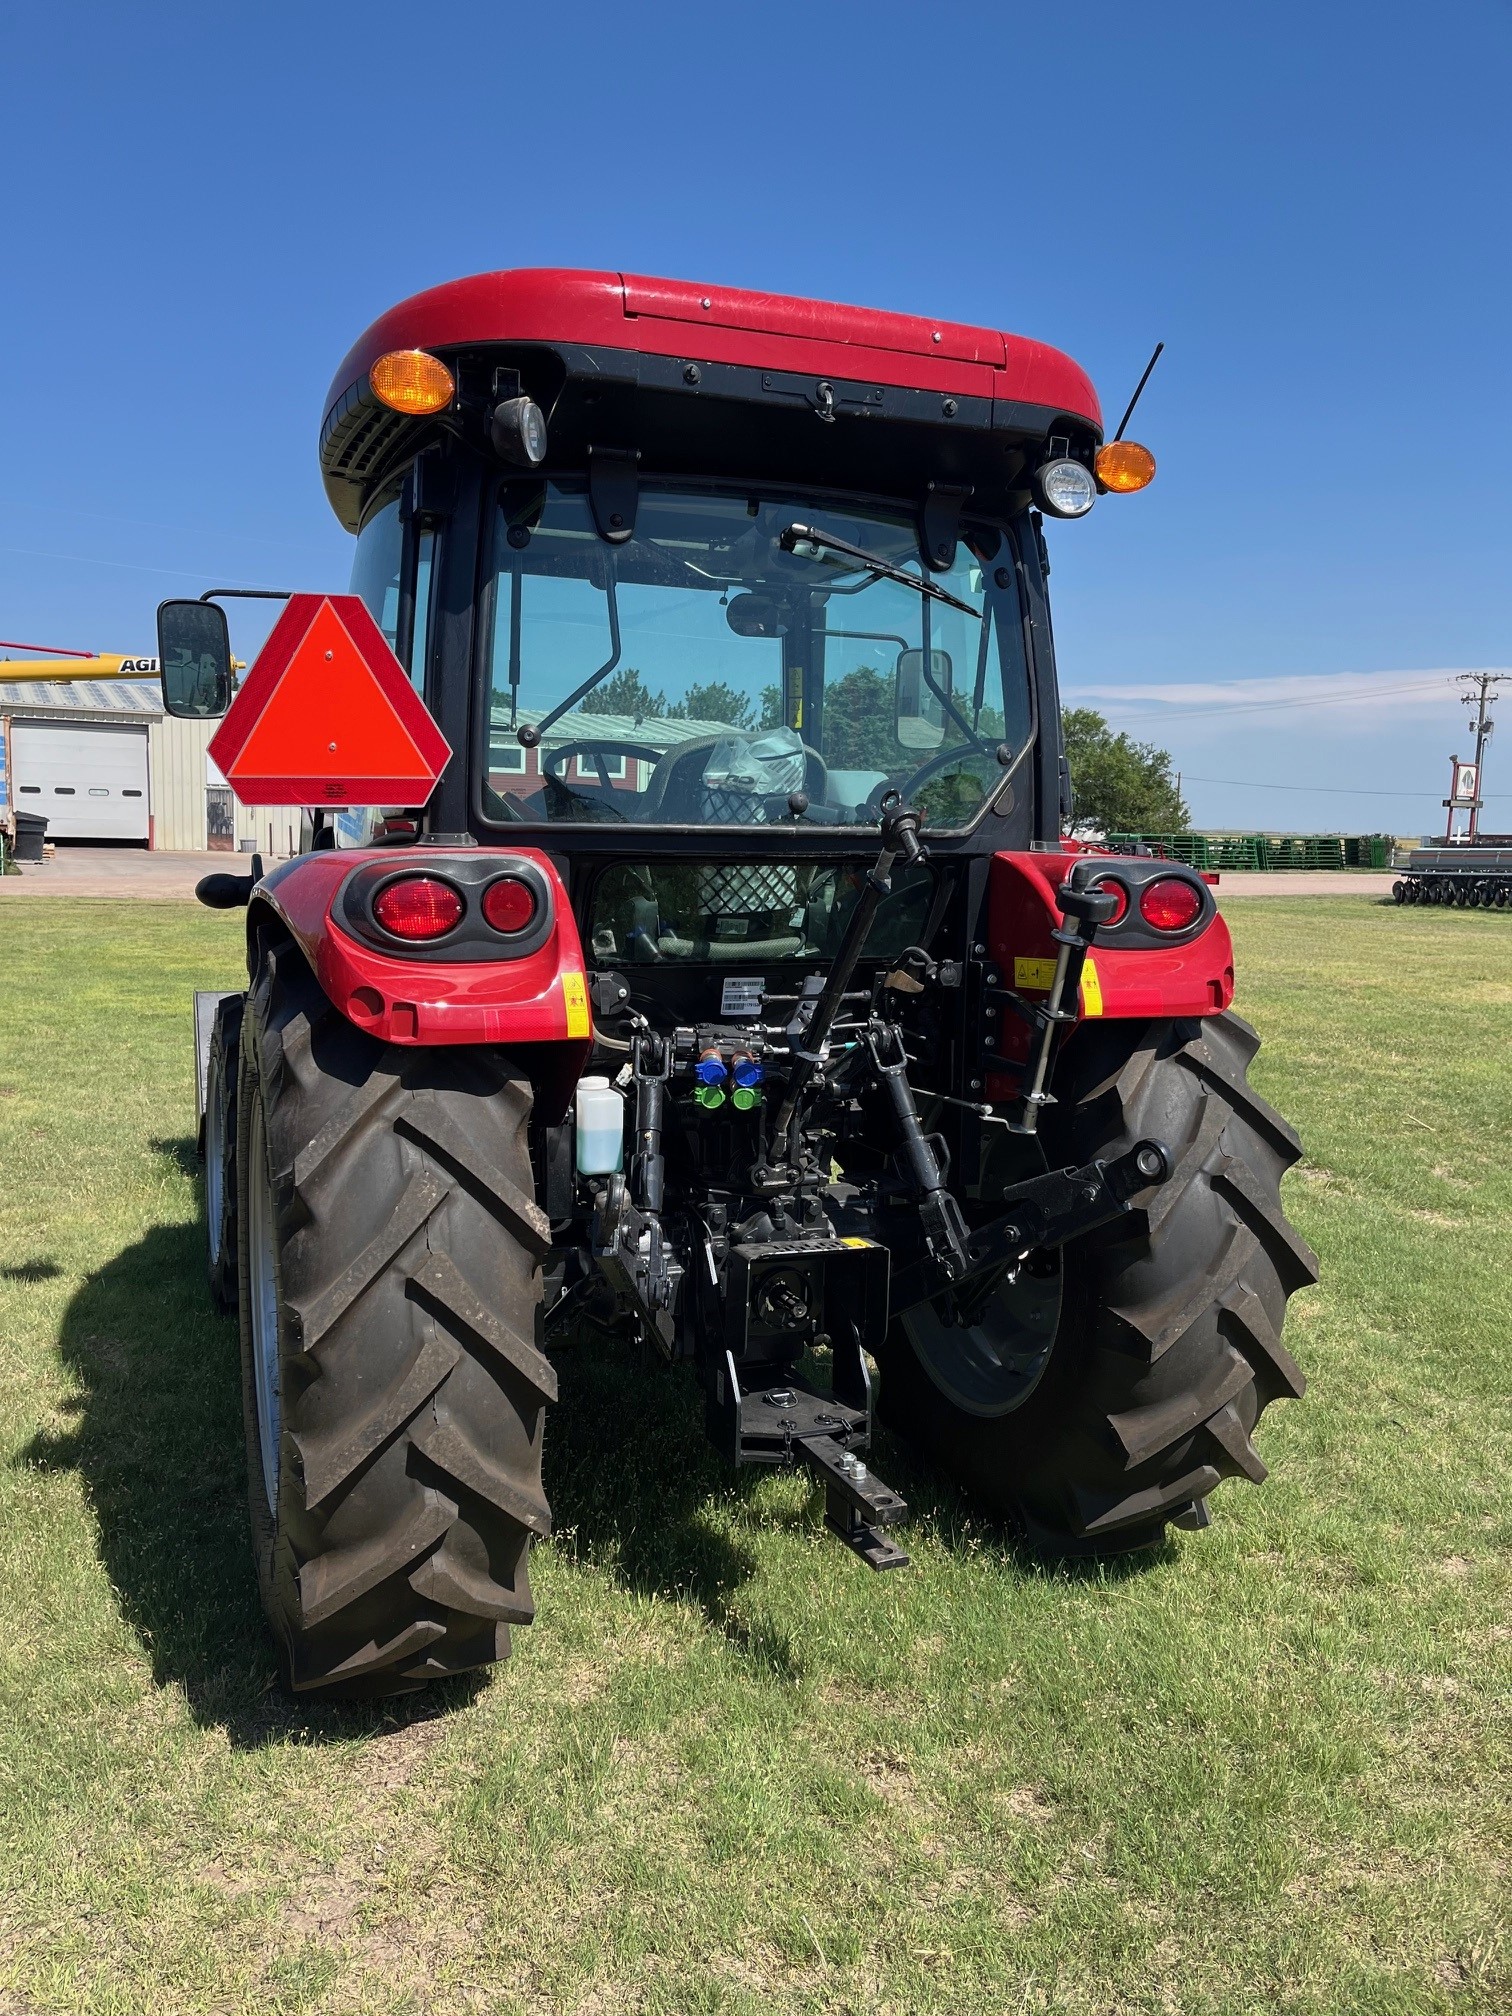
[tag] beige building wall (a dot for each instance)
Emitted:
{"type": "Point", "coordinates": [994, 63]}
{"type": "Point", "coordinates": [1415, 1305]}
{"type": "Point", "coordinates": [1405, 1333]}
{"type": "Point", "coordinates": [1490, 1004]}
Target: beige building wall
{"type": "Point", "coordinates": [176, 763]}
{"type": "Point", "coordinates": [275, 828]}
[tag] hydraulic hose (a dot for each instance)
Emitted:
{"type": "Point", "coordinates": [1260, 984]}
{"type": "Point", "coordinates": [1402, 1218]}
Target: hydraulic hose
{"type": "Point", "coordinates": [900, 837]}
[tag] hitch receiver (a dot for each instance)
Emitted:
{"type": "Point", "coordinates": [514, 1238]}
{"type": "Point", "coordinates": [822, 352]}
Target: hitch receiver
{"type": "Point", "coordinates": [790, 1423]}
{"type": "Point", "coordinates": [857, 1505]}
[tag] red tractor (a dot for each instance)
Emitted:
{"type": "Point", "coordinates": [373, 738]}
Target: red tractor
{"type": "Point", "coordinates": [733, 990]}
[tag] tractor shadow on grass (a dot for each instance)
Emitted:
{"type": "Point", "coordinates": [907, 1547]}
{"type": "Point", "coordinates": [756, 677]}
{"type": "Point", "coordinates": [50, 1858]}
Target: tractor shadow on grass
{"type": "Point", "coordinates": [155, 1433]}
{"type": "Point", "coordinates": [632, 1482]}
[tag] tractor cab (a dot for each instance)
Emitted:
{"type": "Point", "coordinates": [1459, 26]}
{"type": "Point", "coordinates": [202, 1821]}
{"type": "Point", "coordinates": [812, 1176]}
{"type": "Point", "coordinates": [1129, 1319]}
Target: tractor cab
{"type": "Point", "coordinates": [668, 564]}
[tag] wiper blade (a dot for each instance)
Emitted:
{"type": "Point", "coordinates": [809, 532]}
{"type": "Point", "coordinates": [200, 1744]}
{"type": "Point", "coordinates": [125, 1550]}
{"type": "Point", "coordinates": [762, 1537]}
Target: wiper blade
{"type": "Point", "coordinates": [792, 537]}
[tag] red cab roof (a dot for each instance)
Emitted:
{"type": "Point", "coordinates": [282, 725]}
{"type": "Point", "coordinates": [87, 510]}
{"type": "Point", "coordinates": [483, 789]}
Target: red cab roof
{"type": "Point", "coordinates": [724, 325]}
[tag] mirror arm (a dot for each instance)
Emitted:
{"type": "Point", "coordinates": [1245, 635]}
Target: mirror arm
{"type": "Point", "coordinates": [940, 523]}
{"type": "Point", "coordinates": [529, 736]}
{"type": "Point", "coordinates": [249, 594]}
{"type": "Point", "coordinates": [926, 672]}
{"type": "Point", "coordinates": [872, 637]}
{"type": "Point", "coordinates": [979, 691]}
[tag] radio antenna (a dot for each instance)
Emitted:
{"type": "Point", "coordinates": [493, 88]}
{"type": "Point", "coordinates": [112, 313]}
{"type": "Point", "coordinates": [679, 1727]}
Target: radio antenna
{"type": "Point", "coordinates": [1128, 410]}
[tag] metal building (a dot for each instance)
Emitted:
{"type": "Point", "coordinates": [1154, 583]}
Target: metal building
{"type": "Point", "coordinates": [99, 760]}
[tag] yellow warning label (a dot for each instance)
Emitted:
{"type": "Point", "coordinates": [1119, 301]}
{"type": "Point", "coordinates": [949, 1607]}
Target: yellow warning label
{"type": "Point", "coordinates": [575, 996]}
{"type": "Point", "coordinates": [1034, 973]}
{"type": "Point", "coordinates": [858, 1242]}
{"type": "Point", "coordinates": [1091, 990]}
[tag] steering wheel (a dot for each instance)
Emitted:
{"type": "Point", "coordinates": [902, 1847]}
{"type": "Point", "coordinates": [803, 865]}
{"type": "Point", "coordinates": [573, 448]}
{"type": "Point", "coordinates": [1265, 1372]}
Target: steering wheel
{"type": "Point", "coordinates": [556, 759]}
{"type": "Point", "coordinates": [569, 804]}
{"type": "Point", "coordinates": [922, 775]}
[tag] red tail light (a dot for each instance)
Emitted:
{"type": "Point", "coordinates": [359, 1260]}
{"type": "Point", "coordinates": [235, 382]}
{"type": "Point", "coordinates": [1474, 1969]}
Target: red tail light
{"type": "Point", "coordinates": [418, 907]}
{"type": "Point", "coordinates": [1117, 890]}
{"type": "Point", "coordinates": [1170, 905]}
{"type": "Point", "coordinates": [509, 904]}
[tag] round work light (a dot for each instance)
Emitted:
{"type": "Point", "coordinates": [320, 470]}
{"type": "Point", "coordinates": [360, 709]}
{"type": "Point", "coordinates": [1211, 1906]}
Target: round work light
{"type": "Point", "coordinates": [1067, 489]}
{"type": "Point", "coordinates": [517, 429]}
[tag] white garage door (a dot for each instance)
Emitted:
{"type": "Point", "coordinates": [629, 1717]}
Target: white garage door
{"type": "Point", "coordinates": [88, 779]}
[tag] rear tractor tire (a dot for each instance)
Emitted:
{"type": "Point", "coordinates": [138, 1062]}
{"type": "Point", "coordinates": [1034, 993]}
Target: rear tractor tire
{"type": "Point", "coordinates": [393, 1391]}
{"type": "Point", "coordinates": [1167, 1346]}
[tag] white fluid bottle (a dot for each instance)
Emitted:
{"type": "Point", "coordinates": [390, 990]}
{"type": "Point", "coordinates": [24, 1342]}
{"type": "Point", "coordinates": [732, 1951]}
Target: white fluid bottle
{"type": "Point", "coordinates": [600, 1128]}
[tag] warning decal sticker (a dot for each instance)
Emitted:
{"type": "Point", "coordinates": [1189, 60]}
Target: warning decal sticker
{"type": "Point", "coordinates": [575, 996]}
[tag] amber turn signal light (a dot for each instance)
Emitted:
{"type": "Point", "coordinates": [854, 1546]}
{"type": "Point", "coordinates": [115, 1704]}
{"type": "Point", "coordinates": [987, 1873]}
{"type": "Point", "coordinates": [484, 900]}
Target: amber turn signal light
{"type": "Point", "coordinates": [412, 381]}
{"type": "Point", "coordinates": [1124, 465]}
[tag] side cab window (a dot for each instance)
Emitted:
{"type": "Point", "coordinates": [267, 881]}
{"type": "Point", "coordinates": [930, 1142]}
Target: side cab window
{"type": "Point", "coordinates": [392, 570]}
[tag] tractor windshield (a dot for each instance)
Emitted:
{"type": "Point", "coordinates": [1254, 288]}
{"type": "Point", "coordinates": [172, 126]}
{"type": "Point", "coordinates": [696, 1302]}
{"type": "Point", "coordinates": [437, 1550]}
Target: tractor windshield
{"type": "Point", "coordinates": [727, 665]}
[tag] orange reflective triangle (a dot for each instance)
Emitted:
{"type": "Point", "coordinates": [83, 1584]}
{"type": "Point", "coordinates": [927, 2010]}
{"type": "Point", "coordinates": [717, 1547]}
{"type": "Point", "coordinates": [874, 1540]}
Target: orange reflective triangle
{"type": "Point", "coordinates": [328, 714]}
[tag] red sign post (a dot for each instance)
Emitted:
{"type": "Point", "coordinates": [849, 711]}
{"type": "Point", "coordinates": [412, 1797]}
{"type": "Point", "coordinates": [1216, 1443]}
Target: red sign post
{"type": "Point", "coordinates": [327, 716]}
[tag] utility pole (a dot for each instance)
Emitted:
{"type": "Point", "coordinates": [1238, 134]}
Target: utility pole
{"type": "Point", "coordinates": [1481, 695]}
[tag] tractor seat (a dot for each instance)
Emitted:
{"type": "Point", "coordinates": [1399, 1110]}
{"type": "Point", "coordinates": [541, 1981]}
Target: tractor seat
{"type": "Point", "coordinates": [674, 796]}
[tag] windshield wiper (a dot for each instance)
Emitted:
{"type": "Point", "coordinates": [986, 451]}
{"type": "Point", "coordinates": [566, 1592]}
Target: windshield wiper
{"type": "Point", "coordinates": [792, 537]}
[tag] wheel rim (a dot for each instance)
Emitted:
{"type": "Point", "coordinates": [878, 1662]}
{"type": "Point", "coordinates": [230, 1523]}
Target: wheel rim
{"type": "Point", "coordinates": [991, 1366]}
{"type": "Point", "coordinates": [215, 1158]}
{"type": "Point", "coordinates": [262, 1269]}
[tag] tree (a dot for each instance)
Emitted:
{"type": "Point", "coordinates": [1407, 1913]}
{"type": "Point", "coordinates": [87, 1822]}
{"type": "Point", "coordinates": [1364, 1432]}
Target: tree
{"type": "Point", "coordinates": [858, 722]}
{"type": "Point", "coordinates": [714, 701]}
{"type": "Point", "coordinates": [625, 692]}
{"type": "Point", "coordinates": [1120, 786]}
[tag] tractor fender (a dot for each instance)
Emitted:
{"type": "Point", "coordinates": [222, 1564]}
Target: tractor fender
{"type": "Point", "coordinates": [1133, 971]}
{"type": "Point", "coordinates": [415, 995]}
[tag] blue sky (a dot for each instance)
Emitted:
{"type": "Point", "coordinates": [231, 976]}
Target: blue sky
{"type": "Point", "coordinates": [1309, 204]}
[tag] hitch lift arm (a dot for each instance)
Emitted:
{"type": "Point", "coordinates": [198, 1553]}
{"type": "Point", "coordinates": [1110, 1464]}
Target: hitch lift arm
{"type": "Point", "coordinates": [1045, 1212]}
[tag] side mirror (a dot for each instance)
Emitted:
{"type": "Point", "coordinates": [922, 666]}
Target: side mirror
{"type": "Point", "coordinates": [919, 695]}
{"type": "Point", "coordinates": [194, 654]}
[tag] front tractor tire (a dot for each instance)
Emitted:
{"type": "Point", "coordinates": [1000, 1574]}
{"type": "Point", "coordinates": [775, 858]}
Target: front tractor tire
{"type": "Point", "coordinates": [1168, 1344]}
{"type": "Point", "coordinates": [389, 1251]}
{"type": "Point", "coordinates": [218, 1146]}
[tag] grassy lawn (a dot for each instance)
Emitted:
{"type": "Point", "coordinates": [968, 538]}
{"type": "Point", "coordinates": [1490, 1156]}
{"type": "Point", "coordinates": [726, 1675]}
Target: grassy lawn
{"type": "Point", "coordinates": [728, 1770]}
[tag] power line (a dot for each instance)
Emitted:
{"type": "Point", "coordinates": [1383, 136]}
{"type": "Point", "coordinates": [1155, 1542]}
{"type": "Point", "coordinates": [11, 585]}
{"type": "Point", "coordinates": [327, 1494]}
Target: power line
{"type": "Point", "coordinates": [1330, 790]}
{"type": "Point", "coordinates": [1264, 706]}
{"type": "Point", "coordinates": [125, 566]}
{"type": "Point", "coordinates": [152, 524]}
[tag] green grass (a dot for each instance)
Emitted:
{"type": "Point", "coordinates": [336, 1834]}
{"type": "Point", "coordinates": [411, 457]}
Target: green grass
{"type": "Point", "coordinates": [728, 1770]}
